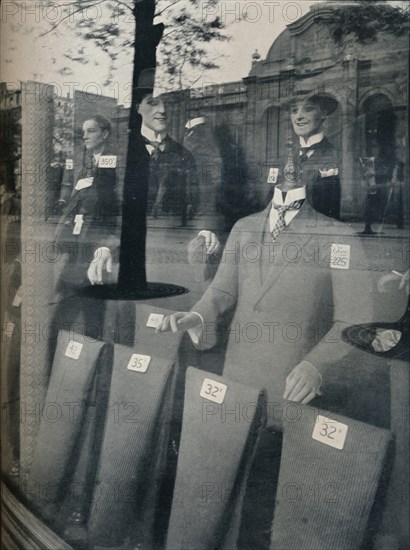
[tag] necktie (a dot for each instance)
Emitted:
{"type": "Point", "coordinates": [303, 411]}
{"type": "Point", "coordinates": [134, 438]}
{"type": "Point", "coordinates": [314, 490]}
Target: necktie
{"type": "Point", "coordinates": [304, 153]}
{"type": "Point", "coordinates": [281, 209]}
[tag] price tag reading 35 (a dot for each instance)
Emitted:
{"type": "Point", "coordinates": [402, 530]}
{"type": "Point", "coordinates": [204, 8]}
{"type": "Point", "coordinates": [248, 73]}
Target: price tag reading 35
{"type": "Point", "coordinates": [73, 350]}
{"type": "Point", "coordinates": [139, 362]}
{"type": "Point", "coordinates": [155, 320]}
{"type": "Point", "coordinates": [213, 390]}
{"type": "Point", "coordinates": [330, 432]}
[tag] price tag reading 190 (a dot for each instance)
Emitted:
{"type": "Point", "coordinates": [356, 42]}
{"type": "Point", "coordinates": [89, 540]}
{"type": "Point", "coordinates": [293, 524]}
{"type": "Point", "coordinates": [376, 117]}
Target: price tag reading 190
{"type": "Point", "coordinates": [213, 390]}
{"type": "Point", "coordinates": [139, 362]}
{"type": "Point", "coordinates": [330, 432]}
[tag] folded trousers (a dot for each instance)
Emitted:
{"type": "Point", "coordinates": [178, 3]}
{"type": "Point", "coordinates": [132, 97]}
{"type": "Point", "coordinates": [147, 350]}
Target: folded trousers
{"type": "Point", "coordinates": [217, 443]}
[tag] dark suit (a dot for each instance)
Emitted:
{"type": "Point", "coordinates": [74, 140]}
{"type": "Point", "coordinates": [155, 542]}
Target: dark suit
{"type": "Point", "coordinates": [97, 204]}
{"type": "Point", "coordinates": [201, 142]}
{"type": "Point", "coordinates": [319, 172]}
{"type": "Point", "coordinates": [173, 186]}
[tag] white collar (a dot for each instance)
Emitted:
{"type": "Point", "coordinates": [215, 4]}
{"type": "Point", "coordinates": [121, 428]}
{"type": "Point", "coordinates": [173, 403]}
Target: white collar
{"type": "Point", "coordinates": [151, 135]}
{"type": "Point", "coordinates": [292, 195]}
{"type": "Point", "coordinates": [316, 138]}
{"type": "Point", "coordinates": [194, 122]}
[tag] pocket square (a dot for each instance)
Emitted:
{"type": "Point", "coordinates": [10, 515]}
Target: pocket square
{"type": "Point", "coordinates": [327, 173]}
{"type": "Point", "coordinates": [83, 183]}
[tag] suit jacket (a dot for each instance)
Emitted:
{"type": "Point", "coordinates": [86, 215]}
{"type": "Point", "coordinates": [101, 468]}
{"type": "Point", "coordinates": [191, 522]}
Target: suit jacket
{"type": "Point", "coordinates": [98, 204]}
{"type": "Point", "coordinates": [173, 178]}
{"type": "Point", "coordinates": [320, 174]}
{"type": "Point", "coordinates": [201, 142]}
{"type": "Point", "coordinates": [287, 300]}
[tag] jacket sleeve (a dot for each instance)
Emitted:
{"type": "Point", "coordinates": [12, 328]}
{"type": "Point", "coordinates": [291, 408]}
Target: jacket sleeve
{"type": "Point", "coordinates": [191, 181]}
{"type": "Point", "coordinates": [221, 296]}
{"type": "Point", "coordinates": [352, 303]}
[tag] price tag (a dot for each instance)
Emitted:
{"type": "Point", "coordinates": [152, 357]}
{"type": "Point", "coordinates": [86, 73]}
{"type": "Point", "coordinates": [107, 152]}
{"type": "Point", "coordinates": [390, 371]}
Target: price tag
{"type": "Point", "coordinates": [155, 320]}
{"type": "Point", "coordinates": [83, 183]}
{"type": "Point", "coordinates": [273, 175]}
{"type": "Point", "coordinates": [17, 298]}
{"type": "Point", "coordinates": [340, 256]}
{"type": "Point", "coordinates": [78, 224]}
{"type": "Point", "coordinates": [107, 161]}
{"type": "Point", "coordinates": [330, 432]}
{"type": "Point", "coordinates": [139, 362]}
{"type": "Point", "coordinates": [9, 329]}
{"type": "Point", "coordinates": [213, 390]}
{"type": "Point", "coordinates": [73, 350]}
{"type": "Point", "coordinates": [69, 164]}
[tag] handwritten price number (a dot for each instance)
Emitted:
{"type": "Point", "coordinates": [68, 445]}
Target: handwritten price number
{"type": "Point", "coordinates": [138, 362]}
{"type": "Point", "coordinates": [330, 432]}
{"type": "Point", "coordinates": [340, 256]}
{"type": "Point", "coordinates": [107, 162]}
{"type": "Point", "coordinates": [213, 391]}
{"type": "Point", "coordinates": [154, 320]}
{"type": "Point", "coordinates": [73, 350]}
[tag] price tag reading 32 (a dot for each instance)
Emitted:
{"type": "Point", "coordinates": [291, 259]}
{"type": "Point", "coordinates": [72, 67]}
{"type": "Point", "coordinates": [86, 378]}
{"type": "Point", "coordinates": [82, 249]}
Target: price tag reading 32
{"type": "Point", "coordinates": [73, 350]}
{"type": "Point", "coordinates": [213, 391]}
{"type": "Point", "coordinates": [155, 320]}
{"type": "Point", "coordinates": [139, 362]}
{"type": "Point", "coordinates": [330, 432]}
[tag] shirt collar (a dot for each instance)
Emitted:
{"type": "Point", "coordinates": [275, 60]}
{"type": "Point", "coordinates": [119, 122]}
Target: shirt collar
{"type": "Point", "coordinates": [194, 122]}
{"type": "Point", "coordinates": [151, 135]}
{"type": "Point", "coordinates": [297, 194]}
{"type": "Point", "coordinates": [316, 138]}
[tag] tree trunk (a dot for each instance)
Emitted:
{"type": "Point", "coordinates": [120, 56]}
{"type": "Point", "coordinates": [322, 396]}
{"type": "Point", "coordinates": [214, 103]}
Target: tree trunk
{"type": "Point", "coordinates": [132, 274]}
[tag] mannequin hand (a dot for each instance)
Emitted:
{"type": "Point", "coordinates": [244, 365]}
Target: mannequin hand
{"type": "Point", "coordinates": [102, 260]}
{"type": "Point", "coordinates": [181, 320]}
{"type": "Point", "coordinates": [211, 241]}
{"type": "Point", "coordinates": [303, 383]}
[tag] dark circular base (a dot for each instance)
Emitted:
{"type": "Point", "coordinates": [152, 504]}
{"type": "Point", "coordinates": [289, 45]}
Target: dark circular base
{"type": "Point", "coordinates": [152, 290]}
{"type": "Point", "coordinates": [362, 336]}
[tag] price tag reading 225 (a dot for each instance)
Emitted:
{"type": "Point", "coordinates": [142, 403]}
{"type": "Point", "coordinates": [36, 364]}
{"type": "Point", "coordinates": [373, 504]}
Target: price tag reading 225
{"type": "Point", "coordinates": [330, 432]}
{"type": "Point", "coordinates": [213, 390]}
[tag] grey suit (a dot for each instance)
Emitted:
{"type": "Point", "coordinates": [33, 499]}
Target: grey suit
{"type": "Point", "coordinates": [288, 303]}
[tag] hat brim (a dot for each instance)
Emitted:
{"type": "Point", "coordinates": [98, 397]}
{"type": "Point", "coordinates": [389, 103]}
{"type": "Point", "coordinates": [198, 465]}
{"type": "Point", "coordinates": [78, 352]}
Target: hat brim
{"type": "Point", "coordinates": [327, 103]}
{"type": "Point", "coordinates": [362, 336]}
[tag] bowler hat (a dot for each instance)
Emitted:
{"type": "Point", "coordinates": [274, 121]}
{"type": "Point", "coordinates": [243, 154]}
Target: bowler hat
{"type": "Point", "coordinates": [146, 80]}
{"type": "Point", "coordinates": [327, 102]}
{"type": "Point", "coordinates": [362, 336]}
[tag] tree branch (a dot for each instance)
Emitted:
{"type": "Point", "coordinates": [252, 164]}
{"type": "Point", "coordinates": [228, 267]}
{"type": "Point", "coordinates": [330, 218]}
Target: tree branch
{"type": "Point", "coordinates": [53, 27]}
{"type": "Point", "coordinates": [167, 7]}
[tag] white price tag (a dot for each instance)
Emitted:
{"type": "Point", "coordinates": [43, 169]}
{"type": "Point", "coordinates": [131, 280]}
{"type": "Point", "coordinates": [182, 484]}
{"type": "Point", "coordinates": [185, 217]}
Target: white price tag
{"type": "Point", "coordinates": [340, 256]}
{"type": "Point", "coordinates": [139, 362]}
{"type": "Point", "coordinates": [273, 175]}
{"type": "Point", "coordinates": [155, 320]}
{"type": "Point", "coordinates": [107, 161]}
{"type": "Point", "coordinates": [78, 224]}
{"type": "Point", "coordinates": [9, 329]}
{"type": "Point", "coordinates": [69, 164]}
{"type": "Point", "coordinates": [73, 350]}
{"type": "Point", "coordinates": [17, 298]}
{"type": "Point", "coordinates": [83, 183]}
{"type": "Point", "coordinates": [330, 432]}
{"type": "Point", "coordinates": [213, 390]}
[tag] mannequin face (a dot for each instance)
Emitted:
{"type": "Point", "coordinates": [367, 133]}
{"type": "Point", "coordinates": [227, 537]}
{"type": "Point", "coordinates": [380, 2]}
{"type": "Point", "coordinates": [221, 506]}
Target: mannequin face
{"type": "Point", "coordinates": [94, 137]}
{"type": "Point", "coordinates": [153, 114]}
{"type": "Point", "coordinates": [307, 118]}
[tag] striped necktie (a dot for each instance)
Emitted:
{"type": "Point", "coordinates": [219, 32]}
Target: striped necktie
{"type": "Point", "coordinates": [281, 209]}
